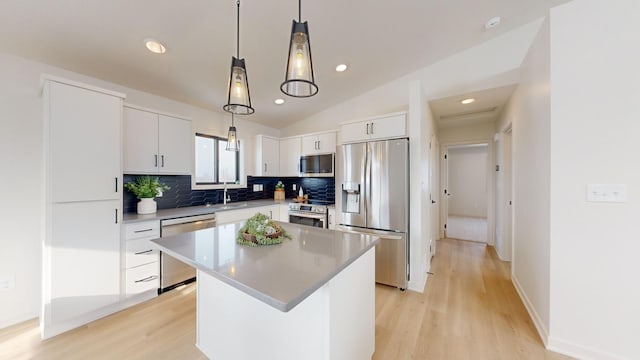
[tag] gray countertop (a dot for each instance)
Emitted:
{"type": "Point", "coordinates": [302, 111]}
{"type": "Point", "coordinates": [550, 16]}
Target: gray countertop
{"type": "Point", "coordinates": [199, 210]}
{"type": "Point", "coordinates": [280, 275]}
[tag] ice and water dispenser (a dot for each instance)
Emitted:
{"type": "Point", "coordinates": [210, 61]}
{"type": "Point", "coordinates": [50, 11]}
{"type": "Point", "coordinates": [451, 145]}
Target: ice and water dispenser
{"type": "Point", "coordinates": [351, 198]}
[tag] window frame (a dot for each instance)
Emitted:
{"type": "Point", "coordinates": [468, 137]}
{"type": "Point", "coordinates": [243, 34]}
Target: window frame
{"type": "Point", "coordinates": [216, 146]}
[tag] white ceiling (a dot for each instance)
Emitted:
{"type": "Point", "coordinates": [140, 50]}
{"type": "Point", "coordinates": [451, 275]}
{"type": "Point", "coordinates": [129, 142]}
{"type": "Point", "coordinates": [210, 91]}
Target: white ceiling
{"type": "Point", "coordinates": [379, 40]}
{"type": "Point", "coordinates": [488, 104]}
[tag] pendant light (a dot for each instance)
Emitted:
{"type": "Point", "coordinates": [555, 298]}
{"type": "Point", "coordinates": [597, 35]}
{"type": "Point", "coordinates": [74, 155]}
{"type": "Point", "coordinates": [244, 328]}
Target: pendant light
{"type": "Point", "coordinates": [232, 137]}
{"type": "Point", "coordinates": [299, 79]}
{"type": "Point", "coordinates": [238, 98]}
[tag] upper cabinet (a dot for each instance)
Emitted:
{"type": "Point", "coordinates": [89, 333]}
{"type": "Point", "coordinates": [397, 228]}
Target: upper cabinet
{"type": "Point", "coordinates": [156, 143]}
{"type": "Point", "coordinates": [319, 143]}
{"type": "Point", "coordinates": [290, 156]}
{"type": "Point", "coordinates": [383, 127]}
{"type": "Point", "coordinates": [267, 156]}
{"type": "Point", "coordinates": [83, 142]}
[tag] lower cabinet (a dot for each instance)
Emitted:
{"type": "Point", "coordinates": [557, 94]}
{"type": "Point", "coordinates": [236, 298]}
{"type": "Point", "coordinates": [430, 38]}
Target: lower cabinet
{"type": "Point", "coordinates": [231, 216]}
{"type": "Point", "coordinates": [284, 213]}
{"type": "Point", "coordinates": [81, 260]}
{"type": "Point", "coordinates": [332, 218]}
{"type": "Point", "coordinates": [141, 257]}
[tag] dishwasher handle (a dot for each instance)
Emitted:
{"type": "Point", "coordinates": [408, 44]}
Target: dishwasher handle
{"type": "Point", "coordinates": [189, 219]}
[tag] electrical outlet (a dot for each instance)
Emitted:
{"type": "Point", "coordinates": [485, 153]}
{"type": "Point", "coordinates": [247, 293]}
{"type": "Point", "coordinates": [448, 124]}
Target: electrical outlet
{"type": "Point", "coordinates": [613, 193]}
{"type": "Point", "coordinates": [159, 192]}
{"type": "Point", "coordinates": [7, 282]}
{"type": "Point", "coordinates": [256, 187]}
{"type": "Point", "coordinates": [261, 187]}
{"type": "Point", "coordinates": [294, 187]}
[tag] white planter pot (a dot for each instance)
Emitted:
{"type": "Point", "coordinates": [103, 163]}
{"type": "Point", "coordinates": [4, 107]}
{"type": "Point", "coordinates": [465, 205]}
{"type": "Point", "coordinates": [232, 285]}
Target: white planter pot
{"type": "Point", "coordinates": [147, 206]}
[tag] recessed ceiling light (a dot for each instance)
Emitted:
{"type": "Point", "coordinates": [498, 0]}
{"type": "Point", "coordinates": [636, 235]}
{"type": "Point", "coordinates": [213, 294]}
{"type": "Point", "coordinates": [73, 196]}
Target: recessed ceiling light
{"type": "Point", "coordinates": [341, 67]}
{"type": "Point", "coordinates": [468, 101]}
{"type": "Point", "coordinates": [493, 22]}
{"type": "Point", "coordinates": [155, 46]}
{"type": "Point", "coordinates": [279, 101]}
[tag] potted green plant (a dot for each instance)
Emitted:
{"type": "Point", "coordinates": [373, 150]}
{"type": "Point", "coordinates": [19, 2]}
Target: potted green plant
{"type": "Point", "coordinates": [279, 193]}
{"type": "Point", "coordinates": [146, 188]}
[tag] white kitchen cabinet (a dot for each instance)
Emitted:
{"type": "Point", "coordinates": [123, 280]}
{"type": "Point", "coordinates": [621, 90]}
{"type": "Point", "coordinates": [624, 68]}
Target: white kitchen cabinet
{"type": "Point", "coordinates": [141, 257]}
{"type": "Point", "coordinates": [83, 143]}
{"type": "Point", "coordinates": [332, 218]}
{"type": "Point", "coordinates": [156, 143]}
{"type": "Point", "coordinates": [319, 143]}
{"type": "Point", "coordinates": [284, 213]}
{"type": "Point", "coordinates": [290, 156]}
{"type": "Point", "coordinates": [267, 156]}
{"type": "Point", "coordinates": [81, 259]}
{"type": "Point", "coordinates": [384, 127]}
{"type": "Point", "coordinates": [231, 216]}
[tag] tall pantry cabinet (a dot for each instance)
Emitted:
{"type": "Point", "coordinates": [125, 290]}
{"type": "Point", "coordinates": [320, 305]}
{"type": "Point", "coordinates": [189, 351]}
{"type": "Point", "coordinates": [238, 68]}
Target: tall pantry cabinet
{"type": "Point", "coordinates": [83, 203]}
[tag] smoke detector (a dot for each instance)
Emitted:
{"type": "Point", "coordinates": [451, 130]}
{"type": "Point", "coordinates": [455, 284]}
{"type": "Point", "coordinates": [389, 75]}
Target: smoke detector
{"type": "Point", "coordinates": [493, 22]}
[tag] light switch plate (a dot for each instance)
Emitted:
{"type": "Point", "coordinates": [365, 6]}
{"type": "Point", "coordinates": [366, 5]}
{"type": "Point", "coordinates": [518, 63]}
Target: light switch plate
{"type": "Point", "coordinates": [612, 193]}
{"type": "Point", "coordinates": [7, 282]}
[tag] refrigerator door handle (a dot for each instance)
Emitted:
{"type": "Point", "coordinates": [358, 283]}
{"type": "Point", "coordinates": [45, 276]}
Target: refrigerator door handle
{"type": "Point", "coordinates": [382, 234]}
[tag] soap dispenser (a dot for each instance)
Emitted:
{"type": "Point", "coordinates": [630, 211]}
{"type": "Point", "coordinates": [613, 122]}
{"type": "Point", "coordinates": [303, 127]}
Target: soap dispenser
{"type": "Point", "coordinates": [300, 193]}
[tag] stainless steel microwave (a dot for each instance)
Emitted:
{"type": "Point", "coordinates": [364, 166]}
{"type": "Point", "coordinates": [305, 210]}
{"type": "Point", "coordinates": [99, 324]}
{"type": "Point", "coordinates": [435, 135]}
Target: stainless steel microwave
{"type": "Point", "coordinates": [320, 165]}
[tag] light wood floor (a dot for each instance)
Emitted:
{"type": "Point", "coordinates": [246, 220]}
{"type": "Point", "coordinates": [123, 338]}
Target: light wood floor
{"type": "Point", "coordinates": [469, 310]}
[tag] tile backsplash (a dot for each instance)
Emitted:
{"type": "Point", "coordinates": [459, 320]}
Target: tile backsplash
{"type": "Point", "coordinates": [181, 195]}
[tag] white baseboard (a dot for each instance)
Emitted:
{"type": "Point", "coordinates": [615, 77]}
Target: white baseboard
{"type": "Point", "coordinates": [537, 321]}
{"type": "Point", "coordinates": [579, 351]}
{"type": "Point", "coordinates": [49, 331]}
{"type": "Point", "coordinates": [418, 285]}
{"type": "Point", "coordinates": [14, 320]}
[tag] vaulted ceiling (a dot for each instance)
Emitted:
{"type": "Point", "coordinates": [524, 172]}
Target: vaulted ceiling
{"type": "Point", "coordinates": [378, 40]}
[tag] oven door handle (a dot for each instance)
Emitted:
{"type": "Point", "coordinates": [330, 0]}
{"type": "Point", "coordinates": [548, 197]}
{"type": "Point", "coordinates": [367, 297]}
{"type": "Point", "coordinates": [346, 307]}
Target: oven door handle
{"type": "Point", "coordinates": [307, 215]}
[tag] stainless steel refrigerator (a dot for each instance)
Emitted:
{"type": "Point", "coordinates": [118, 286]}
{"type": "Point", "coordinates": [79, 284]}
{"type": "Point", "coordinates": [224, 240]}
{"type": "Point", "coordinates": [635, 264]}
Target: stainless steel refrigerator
{"type": "Point", "coordinates": [372, 196]}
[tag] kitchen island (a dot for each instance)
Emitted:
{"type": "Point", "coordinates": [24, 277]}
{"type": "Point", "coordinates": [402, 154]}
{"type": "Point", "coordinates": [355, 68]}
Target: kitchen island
{"type": "Point", "coordinates": [311, 297]}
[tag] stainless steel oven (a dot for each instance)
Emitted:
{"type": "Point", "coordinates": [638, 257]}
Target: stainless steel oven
{"type": "Point", "coordinates": [309, 214]}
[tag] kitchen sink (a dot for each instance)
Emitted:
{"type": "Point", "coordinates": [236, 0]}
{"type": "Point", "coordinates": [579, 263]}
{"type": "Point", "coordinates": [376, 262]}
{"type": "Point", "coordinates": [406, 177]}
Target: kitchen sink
{"type": "Point", "coordinates": [227, 206]}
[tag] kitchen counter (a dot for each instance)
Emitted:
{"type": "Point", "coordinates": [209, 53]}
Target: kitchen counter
{"type": "Point", "coordinates": [279, 275]}
{"type": "Point", "coordinates": [311, 297]}
{"type": "Point", "coordinates": [199, 210]}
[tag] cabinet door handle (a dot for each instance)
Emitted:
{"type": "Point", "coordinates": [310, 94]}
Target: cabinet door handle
{"type": "Point", "coordinates": [162, 157]}
{"type": "Point", "coordinates": [265, 167]}
{"type": "Point", "coordinates": [367, 128]}
{"type": "Point", "coordinates": [116, 216]}
{"type": "Point", "coordinates": [140, 231]}
{"type": "Point", "coordinates": [156, 161]}
{"type": "Point", "coordinates": [116, 184]}
{"type": "Point", "coordinates": [270, 214]}
{"type": "Point", "coordinates": [143, 252]}
{"type": "Point", "coordinates": [148, 278]}
{"type": "Point", "coordinates": [372, 128]}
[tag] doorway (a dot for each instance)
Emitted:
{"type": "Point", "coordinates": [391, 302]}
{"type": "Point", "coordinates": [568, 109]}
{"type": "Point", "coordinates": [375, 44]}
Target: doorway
{"type": "Point", "coordinates": [467, 192]}
{"type": "Point", "coordinates": [504, 195]}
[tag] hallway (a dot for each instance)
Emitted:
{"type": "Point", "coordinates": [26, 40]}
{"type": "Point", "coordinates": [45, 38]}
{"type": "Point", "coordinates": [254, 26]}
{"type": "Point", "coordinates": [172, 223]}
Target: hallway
{"type": "Point", "coordinates": [470, 310]}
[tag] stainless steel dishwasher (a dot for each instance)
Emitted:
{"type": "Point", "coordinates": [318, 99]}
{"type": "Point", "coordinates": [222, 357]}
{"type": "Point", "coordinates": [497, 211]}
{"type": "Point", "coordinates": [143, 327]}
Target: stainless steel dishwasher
{"type": "Point", "coordinates": [173, 272]}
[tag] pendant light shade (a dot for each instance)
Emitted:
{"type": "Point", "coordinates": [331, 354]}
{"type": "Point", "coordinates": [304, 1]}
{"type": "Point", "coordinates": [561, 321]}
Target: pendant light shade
{"type": "Point", "coordinates": [232, 137]}
{"type": "Point", "coordinates": [299, 78]}
{"type": "Point", "coordinates": [238, 98]}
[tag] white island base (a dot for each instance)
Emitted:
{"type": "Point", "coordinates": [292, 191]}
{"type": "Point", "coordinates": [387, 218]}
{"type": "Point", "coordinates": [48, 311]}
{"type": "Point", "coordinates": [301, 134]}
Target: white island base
{"type": "Point", "coordinates": [336, 322]}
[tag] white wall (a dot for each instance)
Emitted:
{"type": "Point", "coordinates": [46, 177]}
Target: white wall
{"type": "Point", "coordinates": [595, 129]}
{"type": "Point", "coordinates": [529, 112]}
{"type": "Point", "coordinates": [21, 212]}
{"type": "Point", "coordinates": [467, 177]}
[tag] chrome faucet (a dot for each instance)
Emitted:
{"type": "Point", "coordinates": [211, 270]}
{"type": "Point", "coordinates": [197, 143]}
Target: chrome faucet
{"type": "Point", "coordinates": [225, 193]}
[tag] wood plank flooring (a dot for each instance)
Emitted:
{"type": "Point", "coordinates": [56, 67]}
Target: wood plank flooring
{"type": "Point", "coordinates": [469, 310]}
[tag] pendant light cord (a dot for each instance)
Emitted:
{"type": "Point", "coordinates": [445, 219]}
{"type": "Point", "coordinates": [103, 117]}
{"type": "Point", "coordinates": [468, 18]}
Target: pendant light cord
{"type": "Point", "coordinates": [238, 31]}
{"type": "Point", "coordinates": [299, 10]}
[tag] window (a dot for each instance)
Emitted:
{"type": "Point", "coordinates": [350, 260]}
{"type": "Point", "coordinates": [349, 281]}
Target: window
{"type": "Point", "coordinates": [215, 165]}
